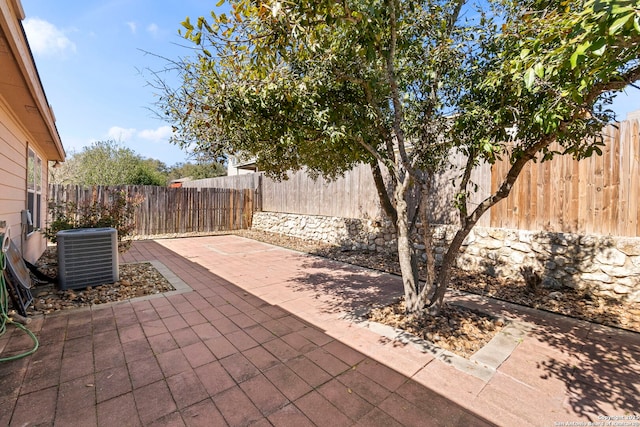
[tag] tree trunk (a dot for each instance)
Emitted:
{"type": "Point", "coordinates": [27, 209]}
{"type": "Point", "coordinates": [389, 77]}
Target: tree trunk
{"type": "Point", "coordinates": [427, 238]}
{"type": "Point", "coordinates": [383, 195]}
{"type": "Point", "coordinates": [406, 257]}
{"type": "Point", "coordinates": [444, 276]}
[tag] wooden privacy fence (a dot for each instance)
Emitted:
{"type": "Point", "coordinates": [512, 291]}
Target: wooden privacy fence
{"type": "Point", "coordinates": [598, 195]}
{"type": "Point", "coordinates": [170, 210]}
{"type": "Point", "coordinates": [351, 196]}
{"type": "Point", "coordinates": [250, 181]}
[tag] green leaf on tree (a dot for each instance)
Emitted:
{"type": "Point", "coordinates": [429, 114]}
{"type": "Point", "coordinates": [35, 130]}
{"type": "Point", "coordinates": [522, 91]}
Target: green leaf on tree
{"type": "Point", "coordinates": [529, 78]}
{"type": "Point", "coordinates": [620, 22]}
{"type": "Point", "coordinates": [539, 70]}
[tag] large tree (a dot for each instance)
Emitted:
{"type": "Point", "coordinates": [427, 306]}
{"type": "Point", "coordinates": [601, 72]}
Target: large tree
{"type": "Point", "coordinates": [199, 170]}
{"type": "Point", "coordinates": [109, 163]}
{"type": "Point", "coordinates": [400, 84]}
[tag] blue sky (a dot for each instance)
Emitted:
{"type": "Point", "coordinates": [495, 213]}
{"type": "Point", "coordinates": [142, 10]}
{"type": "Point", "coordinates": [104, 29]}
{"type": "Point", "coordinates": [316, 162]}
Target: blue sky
{"type": "Point", "coordinates": [90, 56]}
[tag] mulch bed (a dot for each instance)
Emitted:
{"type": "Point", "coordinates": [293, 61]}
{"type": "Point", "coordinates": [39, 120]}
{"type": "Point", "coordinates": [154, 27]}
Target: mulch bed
{"type": "Point", "coordinates": [136, 280]}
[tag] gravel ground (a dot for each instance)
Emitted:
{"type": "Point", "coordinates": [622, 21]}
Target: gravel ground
{"type": "Point", "coordinates": [136, 280]}
{"type": "Point", "coordinates": [456, 329]}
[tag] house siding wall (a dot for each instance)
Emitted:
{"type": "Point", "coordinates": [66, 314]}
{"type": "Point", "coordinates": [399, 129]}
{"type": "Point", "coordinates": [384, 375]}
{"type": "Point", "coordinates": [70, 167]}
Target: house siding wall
{"type": "Point", "coordinates": [13, 176]}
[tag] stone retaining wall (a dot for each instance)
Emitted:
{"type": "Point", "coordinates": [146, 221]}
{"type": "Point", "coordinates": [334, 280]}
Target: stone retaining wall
{"type": "Point", "coordinates": [607, 265]}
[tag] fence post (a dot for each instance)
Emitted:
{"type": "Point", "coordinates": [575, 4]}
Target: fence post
{"type": "Point", "coordinates": [257, 205]}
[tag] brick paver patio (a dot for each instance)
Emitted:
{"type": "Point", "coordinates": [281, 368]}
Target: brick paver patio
{"type": "Point", "coordinates": [267, 336]}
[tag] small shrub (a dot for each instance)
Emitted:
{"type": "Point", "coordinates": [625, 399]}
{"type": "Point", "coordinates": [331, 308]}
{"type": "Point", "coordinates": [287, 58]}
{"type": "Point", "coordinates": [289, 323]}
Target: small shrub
{"type": "Point", "coordinates": [118, 213]}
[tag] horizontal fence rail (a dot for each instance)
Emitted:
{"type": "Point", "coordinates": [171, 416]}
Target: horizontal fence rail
{"type": "Point", "coordinates": [165, 210]}
{"type": "Point", "coordinates": [236, 182]}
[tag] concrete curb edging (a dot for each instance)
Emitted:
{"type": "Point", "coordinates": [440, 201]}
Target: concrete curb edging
{"type": "Point", "coordinates": [482, 364]}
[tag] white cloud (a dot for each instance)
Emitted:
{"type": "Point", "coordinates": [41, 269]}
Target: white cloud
{"type": "Point", "coordinates": [161, 134]}
{"type": "Point", "coordinates": [45, 39]}
{"type": "Point", "coordinates": [132, 26]}
{"type": "Point", "coordinates": [120, 134]}
{"type": "Point", "coordinates": [153, 29]}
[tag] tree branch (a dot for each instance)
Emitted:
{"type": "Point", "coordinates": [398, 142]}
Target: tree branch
{"type": "Point", "coordinates": [395, 91]}
{"type": "Point", "coordinates": [509, 180]}
{"type": "Point", "coordinates": [387, 206]}
{"type": "Point", "coordinates": [627, 78]}
{"type": "Point", "coordinates": [466, 176]}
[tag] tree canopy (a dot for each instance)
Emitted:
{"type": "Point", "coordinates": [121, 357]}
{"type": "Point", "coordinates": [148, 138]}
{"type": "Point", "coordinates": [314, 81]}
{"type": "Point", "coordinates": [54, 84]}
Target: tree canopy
{"type": "Point", "coordinates": [109, 163]}
{"type": "Point", "coordinates": [200, 170]}
{"type": "Point", "coordinates": [103, 163]}
{"type": "Point", "coordinates": [400, 84]}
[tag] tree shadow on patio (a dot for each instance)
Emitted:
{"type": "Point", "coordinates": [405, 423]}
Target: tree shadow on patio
{"type": "Point", "coordinates": [597, 367]}
{"type": "Point", "coordinates": [347, 288]}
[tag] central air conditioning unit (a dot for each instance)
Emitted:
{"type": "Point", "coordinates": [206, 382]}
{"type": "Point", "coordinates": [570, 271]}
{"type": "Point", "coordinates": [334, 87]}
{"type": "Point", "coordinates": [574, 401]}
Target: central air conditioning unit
{"type": "Point", "coordinates": [87, 257]}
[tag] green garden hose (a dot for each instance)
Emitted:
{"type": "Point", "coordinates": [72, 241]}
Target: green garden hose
{"type": "Point", "coordinates": [4, 307]}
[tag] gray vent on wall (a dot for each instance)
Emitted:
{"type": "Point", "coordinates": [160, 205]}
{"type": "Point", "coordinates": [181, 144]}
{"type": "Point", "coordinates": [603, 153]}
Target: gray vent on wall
{"type": "Point", "coordinates": [87, 257]}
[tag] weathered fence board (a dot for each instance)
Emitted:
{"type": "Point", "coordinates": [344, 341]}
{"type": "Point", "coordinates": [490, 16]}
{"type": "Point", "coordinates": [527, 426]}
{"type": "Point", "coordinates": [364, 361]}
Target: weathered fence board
{"type": "Point", "coordinates": [598, 195]}
{"type": "Point", "coordinates": [165, 210]}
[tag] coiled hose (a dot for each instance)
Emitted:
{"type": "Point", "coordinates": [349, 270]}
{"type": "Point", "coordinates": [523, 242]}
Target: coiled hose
{"type": "Point", "coordinates": [4, 306]}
